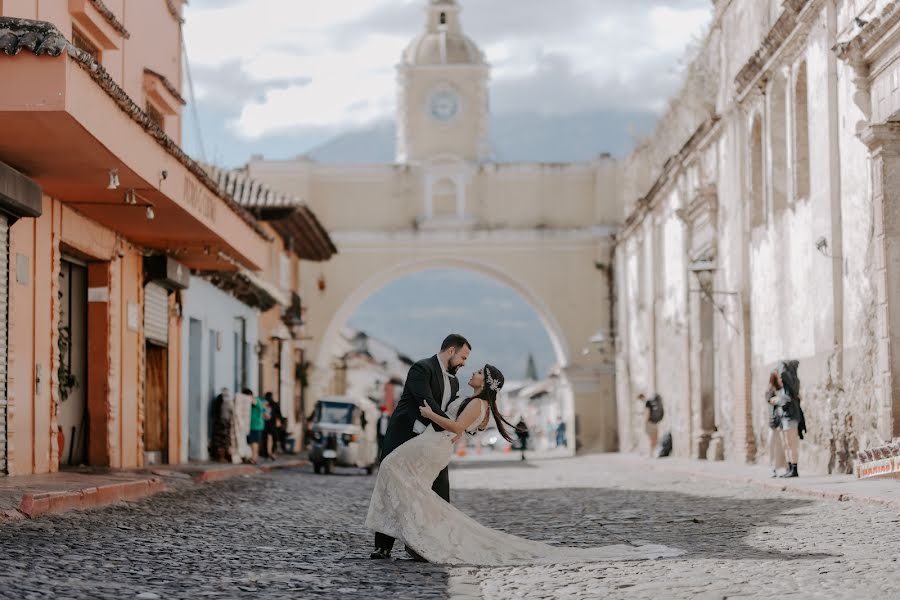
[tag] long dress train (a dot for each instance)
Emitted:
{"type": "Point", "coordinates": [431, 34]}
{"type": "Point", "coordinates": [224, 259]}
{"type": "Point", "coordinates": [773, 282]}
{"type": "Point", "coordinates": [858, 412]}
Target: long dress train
{"type": "Point", "coordinates": [403, 506]}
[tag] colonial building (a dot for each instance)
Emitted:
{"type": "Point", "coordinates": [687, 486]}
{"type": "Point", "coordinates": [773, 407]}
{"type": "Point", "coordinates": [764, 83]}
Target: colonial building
{"type": "Point", "coordinates": [546, 230]}
{"type": "Point", "coordinates": [368, 367]}
{"type": "Point", "coordinates": [113, 220]}
{"type": "Point", "coordinates": [760, 225]}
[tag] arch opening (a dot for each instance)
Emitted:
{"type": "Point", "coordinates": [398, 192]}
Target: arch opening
{"type": "Point", "coordinates": [554, 402]}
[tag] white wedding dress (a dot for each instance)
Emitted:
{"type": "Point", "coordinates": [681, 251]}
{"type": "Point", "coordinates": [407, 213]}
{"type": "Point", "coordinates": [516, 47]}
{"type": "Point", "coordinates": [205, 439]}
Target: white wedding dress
{"type": "Point", "coordinates": [404, 506]}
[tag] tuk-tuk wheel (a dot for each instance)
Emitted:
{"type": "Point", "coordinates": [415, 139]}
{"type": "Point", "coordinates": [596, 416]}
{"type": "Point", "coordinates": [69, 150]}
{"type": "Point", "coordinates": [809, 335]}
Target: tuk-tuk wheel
{"type": "Point", "coordinates": [317, 468]}
{"type": "Point", "coordinates": [328, 467]}
{"type": "Point", "coordinates": [370, 469]}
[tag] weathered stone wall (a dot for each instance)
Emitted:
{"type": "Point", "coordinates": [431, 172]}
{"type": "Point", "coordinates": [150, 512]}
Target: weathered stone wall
{"type": "Point", "coordinates": [800, 263]}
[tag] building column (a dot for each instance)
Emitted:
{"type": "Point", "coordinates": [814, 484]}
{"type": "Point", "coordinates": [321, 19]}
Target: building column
{"type": "Point", "coordinates": [701, 216]}
{"type": "Point", "coordinates": [883, 141]}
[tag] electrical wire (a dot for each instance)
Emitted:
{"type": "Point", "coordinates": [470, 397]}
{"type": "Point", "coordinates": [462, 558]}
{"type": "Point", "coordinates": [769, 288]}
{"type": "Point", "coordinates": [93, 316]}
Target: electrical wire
{"type": "Point", "coordinates": [193, 96]}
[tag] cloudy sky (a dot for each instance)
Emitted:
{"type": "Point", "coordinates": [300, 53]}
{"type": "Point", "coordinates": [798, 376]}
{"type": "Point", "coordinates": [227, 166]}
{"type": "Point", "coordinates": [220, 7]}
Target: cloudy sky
{"type": "Point", "coordinates": [283, 77]}
{"type": "Point", "coordinates": [279, 77]}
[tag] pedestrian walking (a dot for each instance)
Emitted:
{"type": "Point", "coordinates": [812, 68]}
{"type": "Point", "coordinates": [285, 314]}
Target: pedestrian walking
{"type": "Point", "coordinates": [257, 426]}
{"type": "Point", "coordinates": [381, 430]}
{"type": "Point", "coordinates": [561, 434]}
{"type": "Point", "coordinates": [776, 444]}
{"type": "Point", "coordinates": [273, 433]}
{"type": "Point", "coordinates": [653, 414]}
{"type": "Point", "coordinates": [522, 434]}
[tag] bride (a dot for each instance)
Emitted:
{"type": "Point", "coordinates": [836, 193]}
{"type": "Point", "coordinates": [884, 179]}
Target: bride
{"type": "Point", "coordinates": [404, 506]}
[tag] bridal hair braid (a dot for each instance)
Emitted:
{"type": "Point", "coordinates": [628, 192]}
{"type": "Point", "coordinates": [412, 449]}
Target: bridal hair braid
{"type": "Point", "coordinates": [493, 383]}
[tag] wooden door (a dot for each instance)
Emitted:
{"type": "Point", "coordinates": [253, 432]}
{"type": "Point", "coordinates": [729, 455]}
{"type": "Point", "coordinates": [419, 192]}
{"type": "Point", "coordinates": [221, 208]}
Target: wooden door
{"type": "Point", "coordinates": [156, 401]}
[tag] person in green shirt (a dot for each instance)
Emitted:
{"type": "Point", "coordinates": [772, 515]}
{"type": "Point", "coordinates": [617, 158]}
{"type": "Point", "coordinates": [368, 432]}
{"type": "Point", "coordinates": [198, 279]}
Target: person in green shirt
{"type": "Point", "coordinates": [257, 425]}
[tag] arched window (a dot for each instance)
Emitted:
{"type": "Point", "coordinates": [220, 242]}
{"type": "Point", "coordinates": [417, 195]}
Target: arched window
{"type": "Point", "coordinates": [801, 136]}
{"type": "Point", "coordinates": [778, 143]}
{"type": "Point", "coordinates": [757, 176]}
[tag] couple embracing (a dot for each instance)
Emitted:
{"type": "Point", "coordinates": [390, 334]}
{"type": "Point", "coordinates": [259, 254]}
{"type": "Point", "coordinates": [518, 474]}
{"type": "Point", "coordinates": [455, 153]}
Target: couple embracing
{"type": "Point", "coordinates": [411, 500]}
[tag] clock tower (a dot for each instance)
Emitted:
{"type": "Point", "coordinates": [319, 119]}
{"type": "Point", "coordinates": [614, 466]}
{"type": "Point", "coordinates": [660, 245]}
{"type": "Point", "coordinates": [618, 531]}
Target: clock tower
{"type": "Point", "coordinates": [443, 92]}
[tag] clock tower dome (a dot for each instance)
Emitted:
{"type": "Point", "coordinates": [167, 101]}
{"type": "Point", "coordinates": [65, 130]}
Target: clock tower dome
{"type": "Point", "coordinates": [443, 92]}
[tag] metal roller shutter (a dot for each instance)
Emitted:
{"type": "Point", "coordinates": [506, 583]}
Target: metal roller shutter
{"type": "Point", "coordinates": [4, 319]}
{"type": "Point", "coordinates": [156, 314]}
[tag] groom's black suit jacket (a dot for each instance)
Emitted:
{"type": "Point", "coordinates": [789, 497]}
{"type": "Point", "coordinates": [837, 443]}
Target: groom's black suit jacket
{"type": "Point", "coordinates": [425, 382]}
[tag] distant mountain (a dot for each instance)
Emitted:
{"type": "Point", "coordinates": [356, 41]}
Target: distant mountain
{"type": "Point", "coordinates": [374, 144]}
{"type": "Point", "coordinates": [515, 138]}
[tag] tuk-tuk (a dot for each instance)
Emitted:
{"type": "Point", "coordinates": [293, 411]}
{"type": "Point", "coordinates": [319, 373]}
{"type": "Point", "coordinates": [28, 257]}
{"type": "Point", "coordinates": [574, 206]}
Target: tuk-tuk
{"type": "Point", "coordinates": [344, 434]}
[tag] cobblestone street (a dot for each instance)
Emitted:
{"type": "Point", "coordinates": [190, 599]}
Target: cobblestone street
{"type": "Point", "coordinates": [292, 534]}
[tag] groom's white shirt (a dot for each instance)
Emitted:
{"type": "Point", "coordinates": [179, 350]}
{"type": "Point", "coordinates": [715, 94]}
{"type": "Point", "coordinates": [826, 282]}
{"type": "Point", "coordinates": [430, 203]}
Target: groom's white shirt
{"type": "Point", "coordinates": [419, 426]}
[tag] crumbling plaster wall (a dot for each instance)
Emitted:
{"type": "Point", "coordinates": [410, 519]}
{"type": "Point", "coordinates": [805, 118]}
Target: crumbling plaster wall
{"type": "Point", "coordinates": [775, 286]}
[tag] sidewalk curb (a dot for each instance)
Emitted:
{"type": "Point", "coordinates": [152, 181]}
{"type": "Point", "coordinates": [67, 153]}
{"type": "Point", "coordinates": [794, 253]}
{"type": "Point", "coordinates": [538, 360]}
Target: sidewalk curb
{"type": "Point", "coordinates": [37, 504]}
{"type": "Point", "coordinates": [43, 503]}
{"type": "Point", "coordinates": [786, 487]}
{"type": "Point", "coordinates": [223, 473]}
{"type": "Point", "coordinates": [229, 472]}
{"type": "Point", "coordinates": [287, 464]}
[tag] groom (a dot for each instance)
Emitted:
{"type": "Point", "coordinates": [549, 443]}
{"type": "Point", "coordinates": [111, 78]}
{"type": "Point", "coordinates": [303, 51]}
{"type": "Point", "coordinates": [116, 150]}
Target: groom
{"type": "Point", "coordinates": [432, 380]}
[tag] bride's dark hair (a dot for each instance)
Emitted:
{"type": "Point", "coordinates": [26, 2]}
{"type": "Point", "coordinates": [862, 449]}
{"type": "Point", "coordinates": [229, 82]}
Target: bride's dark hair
{"type": "Point", "coordinates": [493, 383]}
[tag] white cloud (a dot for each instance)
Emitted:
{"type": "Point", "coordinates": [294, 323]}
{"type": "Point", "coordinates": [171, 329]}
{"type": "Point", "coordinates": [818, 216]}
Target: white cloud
{"type": "Point", "coordinates": [331, 64]}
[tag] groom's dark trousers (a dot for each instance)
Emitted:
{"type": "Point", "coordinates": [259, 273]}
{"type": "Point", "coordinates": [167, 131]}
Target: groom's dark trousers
{"type": "Point", "coordinates": [425, 382]}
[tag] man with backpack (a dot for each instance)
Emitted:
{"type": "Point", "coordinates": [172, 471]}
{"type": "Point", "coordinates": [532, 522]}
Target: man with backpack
{"type": "Point", "coordinates": [653, 414]}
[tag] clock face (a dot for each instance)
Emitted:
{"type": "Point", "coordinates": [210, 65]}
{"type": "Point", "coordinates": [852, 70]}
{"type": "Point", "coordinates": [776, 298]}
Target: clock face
{"type": "Point", "coordinates": [444, 105]}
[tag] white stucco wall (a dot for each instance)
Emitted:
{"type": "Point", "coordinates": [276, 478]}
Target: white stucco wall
{"type": "Point", "coordinates": [778, 296]}
{"type": "Point", "coordinates": [217, 313]}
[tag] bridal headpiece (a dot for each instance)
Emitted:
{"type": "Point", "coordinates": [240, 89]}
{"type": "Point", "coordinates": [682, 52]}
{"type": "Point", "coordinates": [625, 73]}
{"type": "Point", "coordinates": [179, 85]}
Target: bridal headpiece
{"type": "Point", "coordinates": [494, 384]}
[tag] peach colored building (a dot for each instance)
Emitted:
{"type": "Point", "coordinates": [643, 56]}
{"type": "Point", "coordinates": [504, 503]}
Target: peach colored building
{"type": "Point", "coordinates": [90, 113]}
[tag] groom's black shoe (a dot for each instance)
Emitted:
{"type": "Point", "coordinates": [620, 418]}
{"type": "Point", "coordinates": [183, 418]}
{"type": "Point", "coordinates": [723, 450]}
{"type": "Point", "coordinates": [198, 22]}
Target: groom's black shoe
{"type": "Point", "coordinates": [415, 555]}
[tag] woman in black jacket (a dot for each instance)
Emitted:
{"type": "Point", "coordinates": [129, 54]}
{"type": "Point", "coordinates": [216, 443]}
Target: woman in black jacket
{"type": "Point", "coordinates": [789, 422]}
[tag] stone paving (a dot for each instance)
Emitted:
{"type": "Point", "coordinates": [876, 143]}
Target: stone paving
{"type": "Point", "coordinates": [292, 534]}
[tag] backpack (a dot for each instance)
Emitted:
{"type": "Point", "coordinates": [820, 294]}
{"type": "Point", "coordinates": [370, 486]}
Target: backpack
{"type": "Point", "coordinates": [665, 445]}
{"type": "Point", "coordinates": [656, 409]}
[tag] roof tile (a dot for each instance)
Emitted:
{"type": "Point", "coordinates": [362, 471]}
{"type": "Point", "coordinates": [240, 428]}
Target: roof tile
{"type": "Point", "coordinates": [35, 36]}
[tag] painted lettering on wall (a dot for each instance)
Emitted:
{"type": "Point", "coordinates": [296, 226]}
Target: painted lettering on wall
{"type": "Point", "coordinates": [199, 198]}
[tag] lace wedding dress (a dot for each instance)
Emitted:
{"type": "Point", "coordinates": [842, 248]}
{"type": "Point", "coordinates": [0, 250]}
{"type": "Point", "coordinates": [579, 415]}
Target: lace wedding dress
{"type": "Point", "coordinates": [405, 507]}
